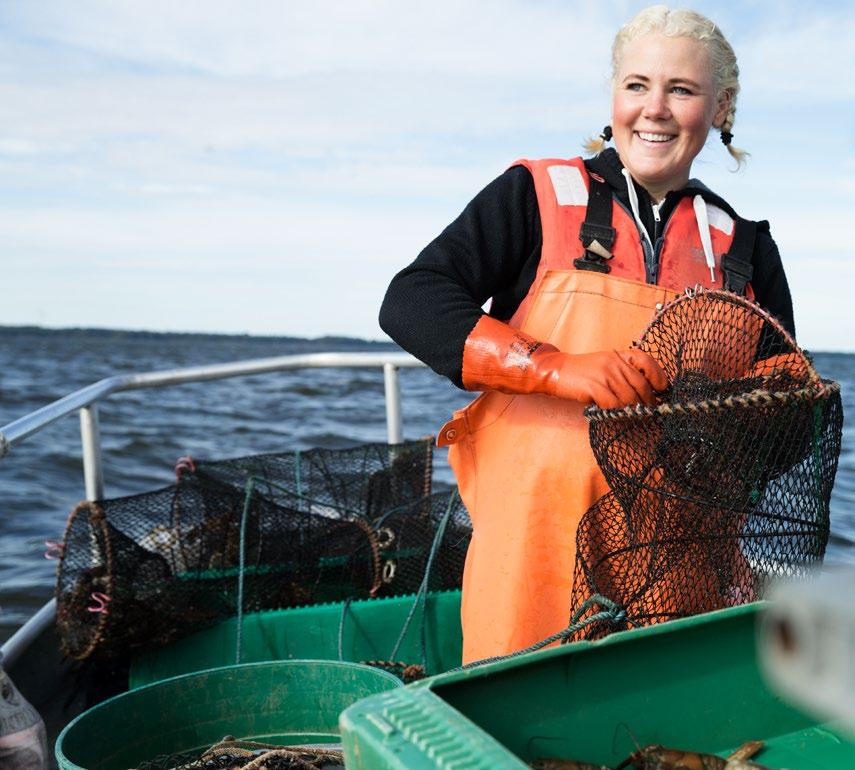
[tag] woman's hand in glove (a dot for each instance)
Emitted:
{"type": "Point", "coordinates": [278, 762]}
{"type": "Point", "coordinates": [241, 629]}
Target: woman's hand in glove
{"type": "Point", "coordinates": [609, 379]}
{"type": "Point", "coordinates": [497, 357]}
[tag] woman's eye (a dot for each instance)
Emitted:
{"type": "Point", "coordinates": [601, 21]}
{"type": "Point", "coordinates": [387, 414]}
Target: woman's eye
{"type": "Point", "coordinates": [682, 91]}
{"type": "Point", "coordinates": [634, 86]}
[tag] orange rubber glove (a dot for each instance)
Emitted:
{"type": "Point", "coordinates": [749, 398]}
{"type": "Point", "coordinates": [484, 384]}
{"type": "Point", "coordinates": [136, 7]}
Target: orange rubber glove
{"type": "Point", "coordinates": [498, 357]}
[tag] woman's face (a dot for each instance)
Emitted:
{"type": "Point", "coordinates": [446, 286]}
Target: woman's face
{"type": "Point", "coordinates": [663, 106]}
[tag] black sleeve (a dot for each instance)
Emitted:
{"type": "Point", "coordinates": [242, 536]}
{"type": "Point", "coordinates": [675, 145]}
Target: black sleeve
{"type": "Point", "coordinates": [769, 280]}
{"type": "Point", "coordinates": [491, 249]}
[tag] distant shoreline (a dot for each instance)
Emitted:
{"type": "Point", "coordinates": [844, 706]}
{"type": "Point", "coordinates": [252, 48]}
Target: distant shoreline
{"type": "Point", "coordinates": [325, 341]}
{"type": "Point", "coordinates": [100, 333]}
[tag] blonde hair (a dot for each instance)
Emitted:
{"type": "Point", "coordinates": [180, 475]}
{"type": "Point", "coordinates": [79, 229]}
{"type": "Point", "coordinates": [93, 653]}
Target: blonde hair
{"type": "Point", "coordinates": [682, 22]}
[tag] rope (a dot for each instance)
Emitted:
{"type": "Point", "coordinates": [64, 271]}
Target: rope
{"type": "Point", "coordinates": [344, 608]}
{"type": "Point", "coordinates": [371, 536]}
{"type": "Point", "coordinates": [97, 519]}
{"type": "Point", "coordinates": [250, 484]}
{"type": "Point", "coordinates": [816, 451]}
{"type": "Point", "coordinates": [257, 753]}
{"type": "Point", "coordinates": [358, 521]}
{"type": "Point", "coordinates": [421, 594]}
{"type": "Point", "coordinates": [753, 398]}
{"type": "Point", "coordinates": [613, 613]}
{"type": "Point", "coordinates": [294, 759]}
{"type": "Point", "coordinates": [405, 671]}
{"type": "Point", "coordinates": [419, 600]}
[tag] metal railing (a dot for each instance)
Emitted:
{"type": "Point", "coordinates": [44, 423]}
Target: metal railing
{"type": "Point", "coordinates": [86, 401]}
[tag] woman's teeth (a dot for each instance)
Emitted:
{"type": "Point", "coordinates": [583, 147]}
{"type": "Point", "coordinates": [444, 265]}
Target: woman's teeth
{"type": "Point", "coordinates": [655, 137]}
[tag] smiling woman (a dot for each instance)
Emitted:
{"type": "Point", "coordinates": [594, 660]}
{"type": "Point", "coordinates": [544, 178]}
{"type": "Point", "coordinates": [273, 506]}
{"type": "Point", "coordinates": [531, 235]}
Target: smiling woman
{"type": "Point", "coordinates": [664, 103]}
{"type": "Point", "coordinates": [576, 255]}
{"type": "Point", "coordinates": [703, 51]}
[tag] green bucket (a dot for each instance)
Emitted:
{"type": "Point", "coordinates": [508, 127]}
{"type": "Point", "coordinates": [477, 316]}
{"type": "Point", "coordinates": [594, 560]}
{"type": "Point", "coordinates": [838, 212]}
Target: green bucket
{"type": "Point", "coordinates": [281, 702]}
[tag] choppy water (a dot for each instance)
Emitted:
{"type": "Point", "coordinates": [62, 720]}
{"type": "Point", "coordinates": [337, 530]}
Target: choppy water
{"type": "Point", "coordinates": [143, 432]}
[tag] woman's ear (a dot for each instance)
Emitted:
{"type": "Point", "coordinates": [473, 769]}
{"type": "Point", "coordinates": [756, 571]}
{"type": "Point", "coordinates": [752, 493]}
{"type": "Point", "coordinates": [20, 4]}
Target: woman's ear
{"type": "Point", "coordinates": [725, 100]}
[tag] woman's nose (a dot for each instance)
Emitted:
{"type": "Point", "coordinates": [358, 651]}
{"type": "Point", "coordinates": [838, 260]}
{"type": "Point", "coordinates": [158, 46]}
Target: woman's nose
{"type": "Point", "coordinates": [656, 105]}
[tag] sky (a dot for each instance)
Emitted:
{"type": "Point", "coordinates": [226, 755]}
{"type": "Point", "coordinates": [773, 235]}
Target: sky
{"type": "Point", "coordinates": [267, 167]}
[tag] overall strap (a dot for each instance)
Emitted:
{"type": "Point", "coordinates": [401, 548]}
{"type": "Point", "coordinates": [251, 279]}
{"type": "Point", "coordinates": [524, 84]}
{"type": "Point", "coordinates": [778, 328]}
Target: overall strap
{"type": "Point", "coordinates": [596, 233]}
{"type": "Point", "coordinates": [736, 264]}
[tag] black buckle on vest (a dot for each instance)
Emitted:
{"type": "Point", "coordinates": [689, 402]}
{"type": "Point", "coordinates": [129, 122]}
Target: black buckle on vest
{"type": "Point", "coordinates": [591, 262]}
{"type": "Point", "coordinates": [598, 241]}
{"type": "Point", "coordinates": [590, 232]}
{"type": "Point", "coordinates": [737, 273]}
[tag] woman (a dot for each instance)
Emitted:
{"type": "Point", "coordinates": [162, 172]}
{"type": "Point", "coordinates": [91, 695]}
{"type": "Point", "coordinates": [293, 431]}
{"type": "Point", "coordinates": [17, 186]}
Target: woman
{"type": "Point", "coordinates": [576, 256]}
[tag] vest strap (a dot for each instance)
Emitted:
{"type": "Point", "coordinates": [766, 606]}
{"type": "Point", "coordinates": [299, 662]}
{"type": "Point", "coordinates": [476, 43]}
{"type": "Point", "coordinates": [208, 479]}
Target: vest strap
{"type": "Point", "coordinates": [596, 233]}
{"type": "Point", "coordinates": [736, 264]}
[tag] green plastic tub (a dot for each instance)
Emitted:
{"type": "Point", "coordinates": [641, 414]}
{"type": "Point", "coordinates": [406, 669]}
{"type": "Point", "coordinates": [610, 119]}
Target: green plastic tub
{"type": "Point", "coordinates": [690, 684]}
{"type": "Point", "coordinates": [287, 702]}
{"type": "Point", "coordinates": [368, 631]}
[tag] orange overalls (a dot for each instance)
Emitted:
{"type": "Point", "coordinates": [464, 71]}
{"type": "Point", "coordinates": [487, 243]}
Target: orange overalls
{"type": "Point", "coordinates": [523, 463]}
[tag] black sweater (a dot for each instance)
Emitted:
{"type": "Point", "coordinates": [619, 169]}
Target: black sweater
{"type": "Point", "coordinates": [493, 249]}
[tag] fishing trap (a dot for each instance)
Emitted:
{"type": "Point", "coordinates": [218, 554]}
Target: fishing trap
{"type": "Point", "coordinates": [722, 487]}
{"type": "Point", "coordinates": [264, 532]}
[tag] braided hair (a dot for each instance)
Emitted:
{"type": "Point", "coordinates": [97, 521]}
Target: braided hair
{"type": "Point", "coordinates": [683, 22]}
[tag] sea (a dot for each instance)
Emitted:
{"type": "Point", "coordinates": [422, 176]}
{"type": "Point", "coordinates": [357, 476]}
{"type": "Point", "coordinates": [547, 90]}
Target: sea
{"type": "Point", "coordinates": [144, 432]}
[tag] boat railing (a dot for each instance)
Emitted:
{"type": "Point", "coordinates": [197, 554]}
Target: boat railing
{"type": "Point", "coordinates": [85, 402]}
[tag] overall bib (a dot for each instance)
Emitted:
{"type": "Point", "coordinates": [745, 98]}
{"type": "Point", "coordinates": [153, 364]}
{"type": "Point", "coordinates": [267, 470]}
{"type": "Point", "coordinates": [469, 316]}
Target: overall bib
{"type": "Point", "coordinates": [523, 463]}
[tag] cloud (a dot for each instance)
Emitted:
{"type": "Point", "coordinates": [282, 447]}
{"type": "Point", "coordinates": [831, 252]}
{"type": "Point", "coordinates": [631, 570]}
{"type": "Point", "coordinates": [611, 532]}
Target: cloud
{"type": "Point", "coordinates": [281, 40]}
{"type": "Point", "coordinates": [12, 147]}
{"type": "Point", "coordinates": [298, 154]}
{"type": "Point", "coordinates": [810, 59]}
{"type": "Point", "coordinates": [174, 189]}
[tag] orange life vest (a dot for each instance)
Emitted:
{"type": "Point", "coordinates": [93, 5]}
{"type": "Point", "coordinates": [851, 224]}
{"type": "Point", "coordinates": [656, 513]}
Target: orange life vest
{"type": "Point", "coordinates": [524, 464]}
{"type": "Point", "coordinates": [562, 188]}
